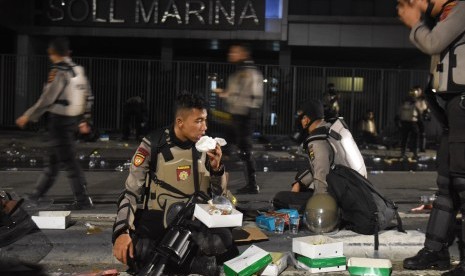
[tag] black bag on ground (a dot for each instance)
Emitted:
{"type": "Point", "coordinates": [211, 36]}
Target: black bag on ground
{"type": "Point", "coordinates": [364, 210]}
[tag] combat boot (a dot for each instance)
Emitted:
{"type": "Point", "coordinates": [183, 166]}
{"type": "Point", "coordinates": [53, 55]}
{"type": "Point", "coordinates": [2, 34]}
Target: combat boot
{"type": "Point", "coordinates": [459, 270]}
{"type": "Point", "coordinates": [249, 189]}
{"type": "Point", "coordinates": [84, 204]}
{"type": "Point", "coordinates": [426, 259]}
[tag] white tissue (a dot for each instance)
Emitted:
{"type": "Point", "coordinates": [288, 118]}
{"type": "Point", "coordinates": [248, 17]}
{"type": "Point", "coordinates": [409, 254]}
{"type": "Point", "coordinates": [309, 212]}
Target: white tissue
{"type": "Point", "coordinates": [206, 143]}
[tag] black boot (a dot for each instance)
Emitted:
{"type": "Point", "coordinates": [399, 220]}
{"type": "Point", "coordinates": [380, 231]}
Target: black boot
{"type": "Point", "coordinates": [249, 189]}
{"type": "Point", "coordinates": [425, 259]}
{"type": "Point", "coordinates": [85, 204]}
{"type": "Point", "coordinates": [459, 270]}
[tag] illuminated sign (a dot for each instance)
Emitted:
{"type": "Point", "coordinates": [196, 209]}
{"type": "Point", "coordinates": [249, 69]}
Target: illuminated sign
{"type": "Point", "coordinates": [167, 14]}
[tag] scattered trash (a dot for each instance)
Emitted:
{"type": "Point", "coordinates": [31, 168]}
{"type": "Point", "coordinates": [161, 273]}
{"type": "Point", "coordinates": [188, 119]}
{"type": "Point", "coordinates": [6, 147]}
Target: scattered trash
{"type": "Point", "coordinates": [104, 137]}
{"type": "Point", "coordinates": [265, 169]}
{"type": "Point", "coordinates": [422, 208]}
{"type": "Point", "coordinates": [103, 164]}
{"type": "Point", "coordinates": [265, 156]}
{"type": "Point", "coordinates": [424, 158]}
{"type": "Point", "coordinates": [422, 167]}
{"type": "Point", "coordinates": [92, 229]}
{"type": "Point", "coordinates": [91, 164]}
{"type": "Point", "coordinates": [376, 172]}
{"type": "Point", "coordinates": [376, 159]}
{"type": "Point", "coordinates": [427, 199]}
{"type": "Point", "coordinates": [119, 168]}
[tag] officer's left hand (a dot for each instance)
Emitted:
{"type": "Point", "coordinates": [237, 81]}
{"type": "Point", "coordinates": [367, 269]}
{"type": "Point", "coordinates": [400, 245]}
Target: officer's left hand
{"type": "Point", "coordinates": [409, 12]}
{"type": "Point", "coordinates": [84, 127]}
{"type": "Point", "coordinates": [215, 157]}
{"type": "Point", "coordinates": [22, 121]}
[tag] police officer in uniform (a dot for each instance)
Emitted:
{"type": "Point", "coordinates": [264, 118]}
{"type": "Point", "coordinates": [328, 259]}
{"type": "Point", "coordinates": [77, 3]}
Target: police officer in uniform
{"type": "Point", "coordinates": [66, 96]}
{"type": "Point", "coordinates": [244, 97]}
{"type": "Point", "coordinates": [328, 143]}
{"type": "Point", "coordinates": [179, 172]}
{"type": "Point", "coordinates": [422, 107]}
{"type": "Point", "coordinates": [441, 35]}
{"type": "Point", "coordinates": [409, 115]}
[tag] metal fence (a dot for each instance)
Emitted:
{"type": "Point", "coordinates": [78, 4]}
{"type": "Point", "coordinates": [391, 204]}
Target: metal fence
{"type": "Point", "coordinates": [115, 80]}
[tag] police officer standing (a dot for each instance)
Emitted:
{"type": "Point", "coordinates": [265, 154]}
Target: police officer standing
{"type": "Point", "coordinates": [441, 35]}
{"type": "Point", "coordinates": [66, 96]}
{"type": "Point", "coordinates": [177, 170]}
{"type": "Point", "coordinates": [244, 95]}
{"type": "Point", "coordinates": [409, 116]}
{"type": "Point", "coordinates": [319, 147]}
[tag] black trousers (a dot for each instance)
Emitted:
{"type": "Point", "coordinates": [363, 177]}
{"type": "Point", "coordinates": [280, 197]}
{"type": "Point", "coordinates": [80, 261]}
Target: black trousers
{"type": "Point", "coordinates": [150, 231]}
{"type": "Point", "coordinates": [243, 127]}
{"type": "Point", "coordinates": [409, 131]}
{"type": "Point", "coordinates": [62, 152]}
{"type": "Point", "coordinates": [451, 181]}
{"type": "Point", "coordinates": [136, 113]}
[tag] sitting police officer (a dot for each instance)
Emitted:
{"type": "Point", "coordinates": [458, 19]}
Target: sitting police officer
{"type": "Point", "coordinates": [177, 170]}
{"type": "Point", "coordinates": [437, 29]}
{"type": "Point", "coordinates": [328, 143]}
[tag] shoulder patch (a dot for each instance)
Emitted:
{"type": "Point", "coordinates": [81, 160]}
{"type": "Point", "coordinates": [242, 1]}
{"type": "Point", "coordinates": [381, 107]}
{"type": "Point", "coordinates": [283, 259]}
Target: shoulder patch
{"type": "Point", "coordinates": [311, 153]}
{"type": "Point", "coordinates": [52, 75]}
{"type": "Point", "coordinates": [138, 159]}
{"type": "Point", "coordinates": [143, 151]}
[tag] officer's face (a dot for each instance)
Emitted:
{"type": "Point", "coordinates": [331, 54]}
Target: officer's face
{"type": "Point", "coordinates": [304, 121]}
{"type": "Point", "coordinates": [192, 124]}
{"type": "Point", "coordinates": [237, 54]}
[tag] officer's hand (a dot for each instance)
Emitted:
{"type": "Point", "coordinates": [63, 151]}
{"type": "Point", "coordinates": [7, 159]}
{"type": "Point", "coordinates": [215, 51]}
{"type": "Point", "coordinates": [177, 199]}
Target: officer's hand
{"type": "Point", "coordinates": [84, 127]}
{"type": "Point", "coordinates": [409, 11]}
{"type": "Point", "coordinates": [215, 157]}
{"type": "Point", "coordinates": [295, 187]}
{"type": "Point", "coordinates": [22, 121]}
{"type": "Point", "coordinates": [120, 249]}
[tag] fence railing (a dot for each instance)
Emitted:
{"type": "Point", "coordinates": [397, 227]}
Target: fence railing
{"type": "Point", "coordinates": [115, 80]}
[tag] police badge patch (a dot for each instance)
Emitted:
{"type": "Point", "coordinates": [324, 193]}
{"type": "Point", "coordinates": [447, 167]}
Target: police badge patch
{"type": "Point", "coordinates": [138, 159]}
{"type": "Point", "coordinates": [183, 172]}
{"type": "Point", "coordinates": [310, 152]}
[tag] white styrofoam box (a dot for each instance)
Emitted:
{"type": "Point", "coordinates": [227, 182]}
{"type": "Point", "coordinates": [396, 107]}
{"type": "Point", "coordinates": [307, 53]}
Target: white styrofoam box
{"type": "Point", "coordinates": [215, 221]}
{"type": "Point", "coordinates": [367, 266]}
{"type": "Point", "coordinates": [317, 247]}
{"type": "Point", "coordinates": [321, 269]}
{"type": "Point", "coordinates": [252, 260]}
{"type": "Point", "coordinates": [52, 219]}
{"type": "Point", "coordinates": [278, 265]}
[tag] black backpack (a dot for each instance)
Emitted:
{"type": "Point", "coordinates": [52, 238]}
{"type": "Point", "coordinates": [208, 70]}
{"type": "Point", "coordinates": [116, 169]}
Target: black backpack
{"type": "Point", "coordinates": [364, 209]}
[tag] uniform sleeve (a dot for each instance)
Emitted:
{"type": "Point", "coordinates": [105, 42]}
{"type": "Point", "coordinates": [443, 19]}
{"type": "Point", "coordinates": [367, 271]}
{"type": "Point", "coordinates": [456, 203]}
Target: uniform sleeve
{"type": "Point", "coordinates": [57, 81]}
{"type": "Point", "coordinates": [134, 187]}
{"type": "Point", "coordinates": [257, 89]}
{"type": "Point", "coordinates": [435, 41]}
{"type": "Point", "coordinates": [320, 156]}
{"type": "Point", "coordinates": [218, 181]}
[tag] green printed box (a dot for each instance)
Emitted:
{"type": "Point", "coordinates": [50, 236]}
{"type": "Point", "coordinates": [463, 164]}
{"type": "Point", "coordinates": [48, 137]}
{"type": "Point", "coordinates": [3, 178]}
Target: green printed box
{"type": "Point", "coordinates": [369, 267]}
{"type": "Point", "coordinates": [251, 261]}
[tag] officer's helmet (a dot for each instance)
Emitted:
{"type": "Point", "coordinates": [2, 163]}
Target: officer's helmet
{"type": "Point", "coordinates": [321, 213]}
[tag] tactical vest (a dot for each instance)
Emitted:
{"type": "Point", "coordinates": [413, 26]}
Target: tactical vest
{"type": "Point", "coordinates": [72, 100]}
{"type": "Point", "coordinates": [171, 177]}
{"type": "Point", "coordinates": [177, 173]}
{"type": "Point", "coordinates": [345, 149]}
{"type": "Point", "coordinates": [408, 112]}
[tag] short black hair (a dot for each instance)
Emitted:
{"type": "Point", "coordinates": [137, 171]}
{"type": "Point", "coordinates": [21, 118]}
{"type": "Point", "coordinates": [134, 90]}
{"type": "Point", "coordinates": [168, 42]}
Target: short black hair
{"type": "Point", "coordinates": [60, 45]}
{"type": "Point", "coordinates": [186, 100]}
